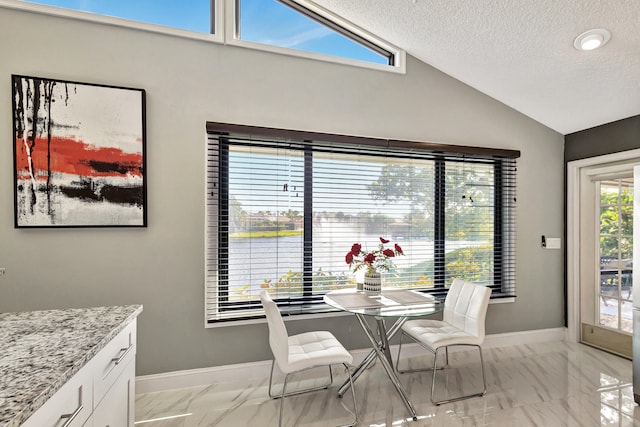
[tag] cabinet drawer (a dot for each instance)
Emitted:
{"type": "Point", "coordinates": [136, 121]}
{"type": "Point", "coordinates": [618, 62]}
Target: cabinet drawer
{"type": "Point", "coordinates": [112, 361]}
{"type": "Point", "coordinates": [117, 407]}
{"type": "Point", "coordinates": [70, 406]}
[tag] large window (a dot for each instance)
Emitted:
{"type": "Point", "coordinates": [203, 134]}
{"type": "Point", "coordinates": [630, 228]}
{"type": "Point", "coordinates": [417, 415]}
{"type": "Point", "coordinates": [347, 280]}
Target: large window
{"type": "Point", "coordinates": [285, 207]}
{"type": "Point", "coordinates": [291, 27]}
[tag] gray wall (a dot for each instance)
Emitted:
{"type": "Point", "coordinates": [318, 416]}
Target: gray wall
{"type": "Point", "coordinates": [621, 135]}
{"type": "Point", "coordinates": [190, 82]}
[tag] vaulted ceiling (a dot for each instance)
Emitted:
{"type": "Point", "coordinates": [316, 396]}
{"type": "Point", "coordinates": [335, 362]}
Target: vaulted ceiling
{"type": "Point", "coordinates": [520, 52]}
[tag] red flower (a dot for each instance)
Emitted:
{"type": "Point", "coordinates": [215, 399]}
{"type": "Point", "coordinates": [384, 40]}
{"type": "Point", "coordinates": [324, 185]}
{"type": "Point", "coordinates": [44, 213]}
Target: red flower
{"type": "Point", "coordinates": [355, 249]}
{"type": "Point", "coordinates": [374, 260]}
{"type": "Point", "coordinates": [349, 258]}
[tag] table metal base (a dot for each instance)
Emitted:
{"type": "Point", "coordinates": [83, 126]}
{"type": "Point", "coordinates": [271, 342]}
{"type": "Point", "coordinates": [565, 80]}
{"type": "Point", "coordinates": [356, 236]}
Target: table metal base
{"type": "Point", "coordinates": [382, 351]}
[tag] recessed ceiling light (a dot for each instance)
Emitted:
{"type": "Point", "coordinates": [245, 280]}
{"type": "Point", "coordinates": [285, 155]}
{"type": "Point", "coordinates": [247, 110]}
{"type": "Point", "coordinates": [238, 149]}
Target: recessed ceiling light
{"type": "Point", "coordinates": [592, 39]}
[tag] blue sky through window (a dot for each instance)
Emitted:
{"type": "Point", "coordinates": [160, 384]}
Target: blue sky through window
{"type": "Point", "coordinates": [262, 21]}
{"type": "Point", "coordinates": [193, 15]}
{"type": "Point", "coordinates": [272, 23]}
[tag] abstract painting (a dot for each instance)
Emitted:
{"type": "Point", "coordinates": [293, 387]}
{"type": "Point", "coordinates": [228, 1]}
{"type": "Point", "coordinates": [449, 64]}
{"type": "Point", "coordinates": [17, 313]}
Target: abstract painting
{"type": "Point", "coordinates": [79, 154]}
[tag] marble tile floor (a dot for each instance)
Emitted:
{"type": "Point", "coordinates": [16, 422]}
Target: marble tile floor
{"type": "Point", "coordinates": [545, 384]}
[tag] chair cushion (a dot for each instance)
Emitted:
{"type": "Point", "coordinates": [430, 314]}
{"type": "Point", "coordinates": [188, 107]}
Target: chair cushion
{"type": "Point", "coordinates": [466, 306]}
{"type": "Point", "coordinates": [436, 333]}
{"type": "Point", "coordinates": [316, 348]}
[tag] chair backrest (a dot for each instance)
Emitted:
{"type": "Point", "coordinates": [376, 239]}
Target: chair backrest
{"type": "Point", "coordinates": [466, 307]}
{"type": "Point", "coordinates": [278, 337]}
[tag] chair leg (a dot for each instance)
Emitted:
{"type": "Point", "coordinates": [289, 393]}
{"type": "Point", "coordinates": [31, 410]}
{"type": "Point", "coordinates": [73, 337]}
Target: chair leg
{"type": "Point", "coordinates": [433, 379]}
{"type": "Point", "coordinates": [285, 394]}
{"type": "Point", "coordinates": [278, 396]}
{"type": "Point", "coordinates": [433, 375]}
{"type": "Point", "coordinates": [353, 394]}
{"type": "Point", "coordinates": [406, 371]}
{"type": "Point", "coordinates": [484, 378]}
{"type": "Point", "coordinates": [273, 362]}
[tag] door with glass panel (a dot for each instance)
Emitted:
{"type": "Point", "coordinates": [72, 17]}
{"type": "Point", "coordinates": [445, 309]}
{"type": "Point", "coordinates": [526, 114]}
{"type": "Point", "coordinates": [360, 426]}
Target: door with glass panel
{"type": "Point", "coordinates": [613, 294]}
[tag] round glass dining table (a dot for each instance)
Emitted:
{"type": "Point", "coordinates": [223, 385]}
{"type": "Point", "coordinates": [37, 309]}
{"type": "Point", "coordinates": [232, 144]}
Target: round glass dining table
{"type": "Point", "coordinates": [398, 303]}
{"type": "Point", "coordinates": [391, 302]}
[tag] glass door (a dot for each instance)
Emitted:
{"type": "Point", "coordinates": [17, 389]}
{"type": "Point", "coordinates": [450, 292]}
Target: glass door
{"type": "Point", "coordinates": [600, 222]}
{"type": "Point", "coordinates": [612, 318]}
{"type": "Point", "coordinates": [616, 254]}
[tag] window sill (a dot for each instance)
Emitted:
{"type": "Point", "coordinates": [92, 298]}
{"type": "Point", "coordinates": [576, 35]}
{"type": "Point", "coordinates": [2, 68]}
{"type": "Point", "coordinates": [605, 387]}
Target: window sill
{"type": "Point", "coordinates": [400, 56]}
{"type": "Point", "coordinates": [506, 300]}
{"type": "Point", "coordinates": [314, 316]}
{"type": "Point", "coordinates": [264, 320]}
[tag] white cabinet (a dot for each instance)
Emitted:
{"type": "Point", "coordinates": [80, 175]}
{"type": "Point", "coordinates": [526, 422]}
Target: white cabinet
{"type": "Point", "coordinates": [114, 381]}
{"type": "Point", "coordinates": [110, 366]}
{"type": "Point", "coordinates": [70, 406]}
{"type": "Point", "coordinates": [101, 394]}
{"type": "Point", "coordinates": [116, 408]}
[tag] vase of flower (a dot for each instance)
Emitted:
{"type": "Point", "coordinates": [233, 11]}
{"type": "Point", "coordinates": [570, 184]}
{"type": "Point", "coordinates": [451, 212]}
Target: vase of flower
{"type": "Point", "coordinates": [372, 283]}
{"type": "Point", "coordinates": [372, 262]}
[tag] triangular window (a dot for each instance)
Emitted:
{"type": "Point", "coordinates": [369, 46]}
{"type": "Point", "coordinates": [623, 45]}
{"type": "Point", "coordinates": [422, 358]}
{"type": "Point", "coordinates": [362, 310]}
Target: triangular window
{"type": "Point", "coordinates": [288, 24]}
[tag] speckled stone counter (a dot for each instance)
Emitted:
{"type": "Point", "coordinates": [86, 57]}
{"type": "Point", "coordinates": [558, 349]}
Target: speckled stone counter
{"type": "Point", "coordinates": [41, 350]}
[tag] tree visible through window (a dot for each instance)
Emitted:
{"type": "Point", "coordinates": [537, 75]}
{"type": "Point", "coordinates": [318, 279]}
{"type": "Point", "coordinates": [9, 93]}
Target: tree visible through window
{"type": "Point", "coordinates": [287, 212]}
{"type": "Point", "coordinates": [616, 254]}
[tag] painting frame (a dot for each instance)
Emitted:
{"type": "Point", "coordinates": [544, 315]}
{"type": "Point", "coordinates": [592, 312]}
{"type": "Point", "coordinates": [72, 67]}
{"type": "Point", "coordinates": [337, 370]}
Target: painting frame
{"type": "Point", "coordinates": [79, 154]}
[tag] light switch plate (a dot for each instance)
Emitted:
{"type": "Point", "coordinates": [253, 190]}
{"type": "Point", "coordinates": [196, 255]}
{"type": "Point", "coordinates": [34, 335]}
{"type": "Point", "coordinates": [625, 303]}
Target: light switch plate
{"type": "Point", "coordinates": [553, 243]}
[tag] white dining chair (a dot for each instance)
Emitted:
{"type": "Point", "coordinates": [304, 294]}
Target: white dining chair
{"type": "Point", "coordinates": [300, 352]}
{"type": "Point", "coordinates": [462, 324]}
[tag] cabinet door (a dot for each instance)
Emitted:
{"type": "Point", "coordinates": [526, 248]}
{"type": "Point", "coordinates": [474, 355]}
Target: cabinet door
{"type": "Point", "coordinates": [70, 406]}
{"type": "Point", "coordinates": [112, 360]}
{"type": "Point", "coordinates": [117, 407]}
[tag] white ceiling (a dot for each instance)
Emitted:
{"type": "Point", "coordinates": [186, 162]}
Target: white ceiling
{"type": "Point", "coordinates": [520, 52]}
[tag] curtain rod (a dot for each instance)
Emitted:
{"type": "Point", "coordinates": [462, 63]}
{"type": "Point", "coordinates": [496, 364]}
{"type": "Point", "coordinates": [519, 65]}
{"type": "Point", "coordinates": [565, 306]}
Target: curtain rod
{"type": "Point", "coordinates": [228, 128]}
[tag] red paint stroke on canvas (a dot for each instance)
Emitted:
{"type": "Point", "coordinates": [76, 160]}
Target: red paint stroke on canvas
{"type": "Point", "coordinates": [77, 158]}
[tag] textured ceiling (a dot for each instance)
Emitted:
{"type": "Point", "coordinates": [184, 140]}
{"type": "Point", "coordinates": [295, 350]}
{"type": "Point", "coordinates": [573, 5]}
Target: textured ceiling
{"type": "Point", "coordinates": [520, 52]}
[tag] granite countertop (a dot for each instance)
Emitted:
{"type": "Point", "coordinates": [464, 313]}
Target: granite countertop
{"type": "Point", "coordinates": [41, 350]}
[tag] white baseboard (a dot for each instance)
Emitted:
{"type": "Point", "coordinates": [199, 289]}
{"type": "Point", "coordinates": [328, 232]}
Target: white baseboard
{"type": "Point", "coordinates": [526, 337]}
{"type": "Point", "coordinates": [260, 370]}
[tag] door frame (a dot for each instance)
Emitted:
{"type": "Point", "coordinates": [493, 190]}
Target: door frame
{"type": "Point", "coordinates": [575, 170]}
